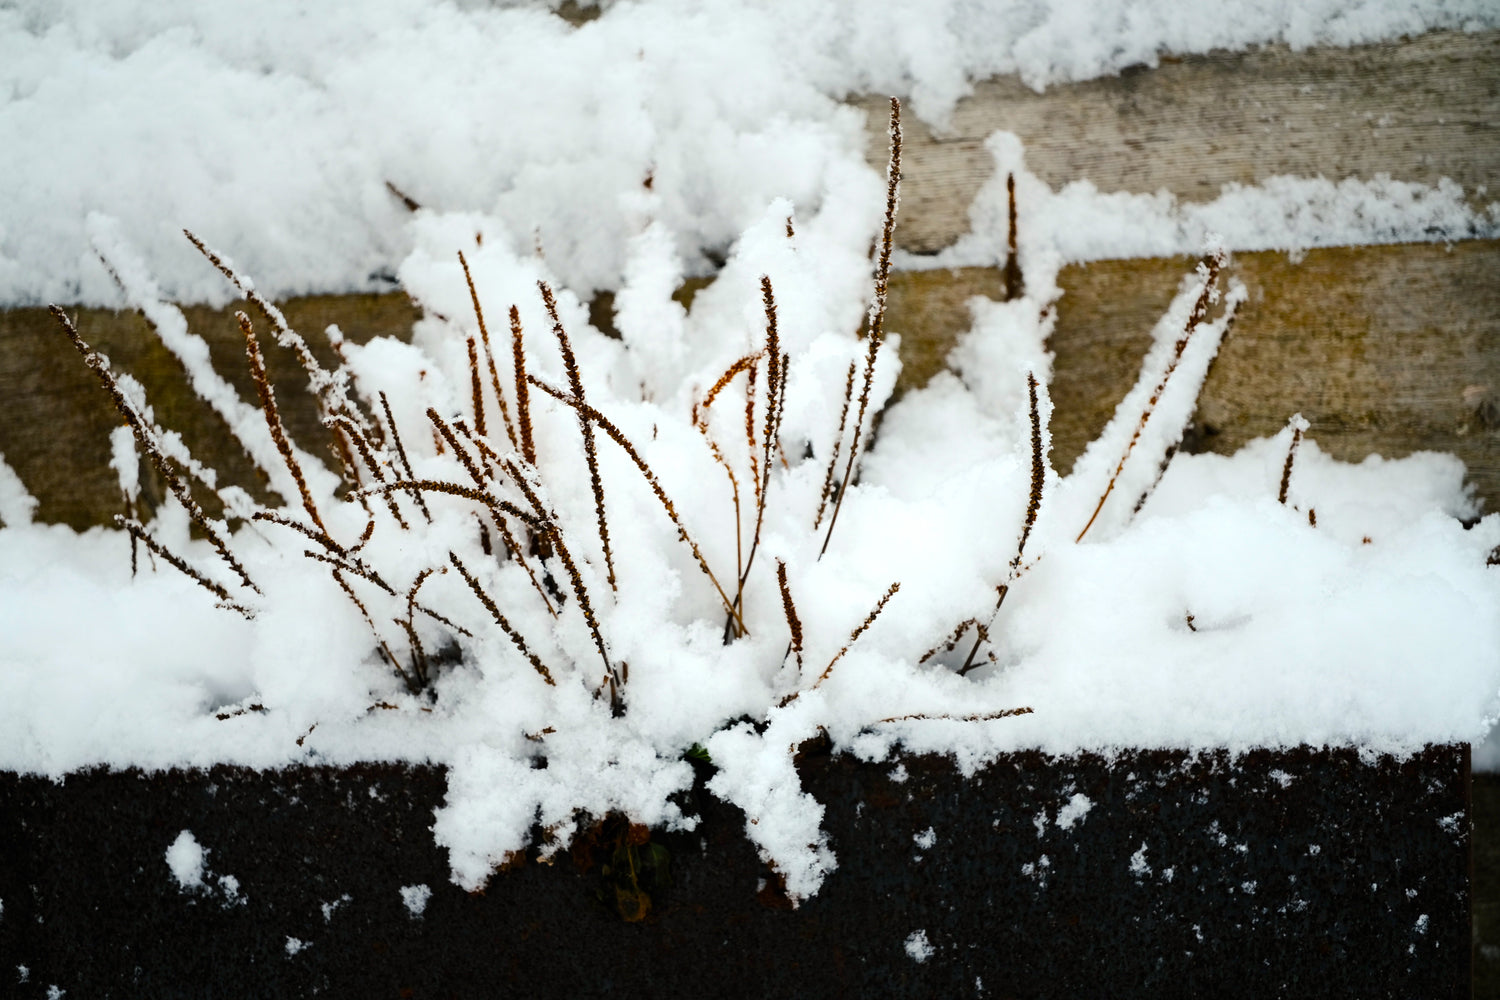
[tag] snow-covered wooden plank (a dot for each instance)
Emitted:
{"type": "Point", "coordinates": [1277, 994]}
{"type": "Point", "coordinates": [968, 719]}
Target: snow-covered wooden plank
{"type": "Point", "coordinates": [1419, 110]}
{"type": "Point", "coordinates": [1387, 350]}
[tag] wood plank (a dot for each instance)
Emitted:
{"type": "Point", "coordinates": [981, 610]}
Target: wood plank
{"type": "Point", "coordinates": [55, 434]}
{"type": "Point", "coordinates": [1418, 110]}
{"type": "Point", "coordinates": [1386, 350]}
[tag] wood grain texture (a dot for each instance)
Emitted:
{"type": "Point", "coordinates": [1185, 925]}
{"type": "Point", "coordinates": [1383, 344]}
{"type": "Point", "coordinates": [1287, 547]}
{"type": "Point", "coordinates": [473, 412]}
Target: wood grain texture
{"type": "Point", "coordinates": [1419, 110]}
{"type": "Point", "coordinates": [55, 433]}
{"type": "Point", "coordinates": [1386, 350]}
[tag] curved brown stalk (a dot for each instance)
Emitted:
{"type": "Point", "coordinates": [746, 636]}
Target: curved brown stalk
{"type": "Point", "coordinates": [623, 442]}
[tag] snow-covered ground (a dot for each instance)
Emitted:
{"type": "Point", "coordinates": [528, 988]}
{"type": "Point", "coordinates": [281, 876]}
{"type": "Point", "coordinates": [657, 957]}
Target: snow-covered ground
{"type": "Point", "coordinates": [1249, 600]}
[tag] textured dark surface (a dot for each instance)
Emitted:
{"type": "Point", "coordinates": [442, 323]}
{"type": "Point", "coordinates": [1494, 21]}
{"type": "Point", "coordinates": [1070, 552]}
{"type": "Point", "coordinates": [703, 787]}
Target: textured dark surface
{"type": "Point", "coordinates": [1303, 873]}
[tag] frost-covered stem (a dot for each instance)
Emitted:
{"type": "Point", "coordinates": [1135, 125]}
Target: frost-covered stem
{"type": "Point", "coordinates": [495, 505]}
{"type": "Point", "coordinates": [1212, 264]}
{"type": "Point", "coordinates": [575, 384]}
{"type": "Point", "coordinates": [838, 441]}
{"type": "Point", "coordinates": [490, 606]}
{"type": "Point", "coordinates": [620, 439]}
{"type": "Point", "coordinates": [273, 419]}
{"type": "Point", "coordinates": [138, 530]}
{"type": "Point", "coordinates": [367, 455]}
{"type": "Point", "coordinates": [99, 365]}
{"type": "Point", "coordinates": [1033, 505]}
{"type": "Point", "coordinates": [877, 310]}
{"type": "Point", "coordinates": [1298, 425]}
{"type": "Point", "coordinates": [489, 357]}
{"type": "Point", "coordinates": [775, 398]}
{"type": "Point", "coordinates": [390, 420]}
{"type": "Point", "coordinates": [581, 593]}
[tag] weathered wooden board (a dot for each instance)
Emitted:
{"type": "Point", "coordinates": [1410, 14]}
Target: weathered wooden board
{"type": "Point", "coordinates": [1386, 350]}
{"type": "Point", "coordinates": [1419, 110]}
{"type": "Point", "coordinates": [57, 420]}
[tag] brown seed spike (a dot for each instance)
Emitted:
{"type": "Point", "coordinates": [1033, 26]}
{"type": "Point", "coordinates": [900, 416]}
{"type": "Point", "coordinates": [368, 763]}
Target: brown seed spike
{"type": "Point", "coordinates": [489, 604]}
{"type": "Point", "coordinates": [1015, 286]}
{"type": "Point", "coordinates": [1211, 266]}
{"type": "Point", "coordinates": [877, 310]}
{"type": "Point", "coordinates": [789, 608]}
{"type": "Point", "coordinates": [273, 418]}
{"type": "Point", "coordinates": [1291, 456]}
{"type": "Point", "coordinates": [575, 383]}
{"type": "Point", "coordinates": [523, 395]}
{"type": "Point", "coordinates": [146, 437]}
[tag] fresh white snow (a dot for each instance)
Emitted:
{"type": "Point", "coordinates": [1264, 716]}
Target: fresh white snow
{"type": "Point", "coordinates": [415, 897]}
{"type": "Point", "coordinates": [185, 857]}
{"type": "Point", "coordinates": [1211, 616]}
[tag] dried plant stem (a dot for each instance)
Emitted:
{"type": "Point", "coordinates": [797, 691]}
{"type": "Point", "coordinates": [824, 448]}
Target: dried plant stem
{"type": "Point", "coordinates": [138, 531]}
{"type": "Point", "coordinates": [273, 419]}
{"type": "Point", "coordinates": [523, 394]}
{"type": "Point", "coordinates": [838, 441]}
{"type": "Point", "coordinates": [512, 547]}
{"type": "Point", "coordinates": [1298, 425]}
{"type": "Point", "coordinates": [547, 522]}
{"type": "Point", "coordinates": [789, 608]}
{"type": "Point", "coordinates": [948, 644]}
{"type": "Point", "coordinates": [489, 357]}
{"type": "Point", "coordinates": [575, 385]}
{"type": "Point", "coordinates": [1015, 285]}
{"type": "Point", "coordinates": [489, 604]}
{"type": "Point", "coordinates": [99, 365]}
{"type": "Point", "coordinates": [495, 505]}
{"type": "Point", "coordinates": [877, 310]}
{"type": "Point", "coordinates": [1005, 713]}
{"type": "Point", "coordinates": [1033, 506]}
{"type": "Point", "coordinates": [476, 387]}
{"type": "Point", "coordinates": [620, 439]}
{"type": "Point", "coordinates": [1211, 266]}
{"type": "Point", "coordinates": [385, 404]}
{"type": "Point", "coordinates": [385, 650]}
{"type": "Point", "coordinates": [459, 451]}
{"type": "Point", "coordinates": [859, 630]}
{"type": "Point", "coordinates": [356, 567]}
{"type": "Point", "coordinates": [367, 455]}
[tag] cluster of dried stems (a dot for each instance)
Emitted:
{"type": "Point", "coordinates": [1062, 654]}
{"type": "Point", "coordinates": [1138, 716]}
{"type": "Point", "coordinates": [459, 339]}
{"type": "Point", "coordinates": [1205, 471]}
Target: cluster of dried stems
{"type": "Point", "coordinates": [506, 484]}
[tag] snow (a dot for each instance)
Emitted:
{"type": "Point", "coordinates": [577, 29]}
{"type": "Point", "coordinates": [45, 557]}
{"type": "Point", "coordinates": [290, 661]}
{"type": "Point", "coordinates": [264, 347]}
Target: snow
{"type": "Point", "coordinates": [415, 897]}
{"type": "Point", "coordinates": [1076, 809]}
{"type": "Point", "coordinates": [918, 949]}
{"type": "Point", "coordinates": [293, 122]}
{"type": "Point", "coordinates": [1187, 608]}
{"type": "Point", "coordinates": [186, 857]}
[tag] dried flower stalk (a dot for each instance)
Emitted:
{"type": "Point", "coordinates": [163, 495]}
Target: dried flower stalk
{"type": "Point", "coordinates": [489, 604]}
{"type": "Point", "coordinates": [1212, 265]}
{"type": "Point", "coordinates": [523, 395]}
{"type": "Point", "coordinates": [877, 309]}
{"type": "Point", "coordinates": [620, 439]}
{"type": "Point", "coordinates": [99, 365]}
{"type": "Point", "coordinates": [273, 419]}
{"type": "Point", "coordinates": [575, 384]}
{"type": "Point", "coordinates": [390, 420]}
{"type": "Point", "coordinates": [789, 608]}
